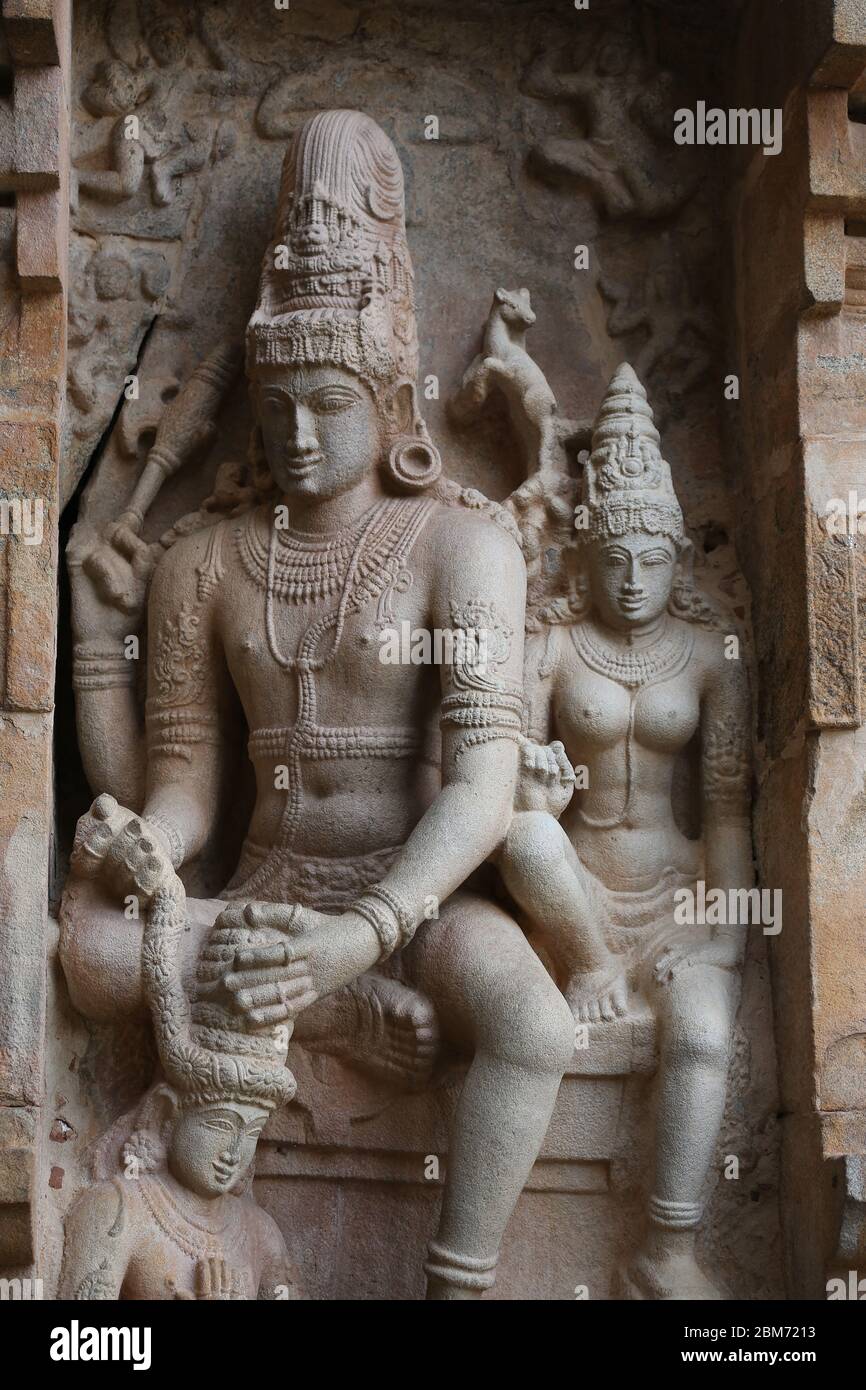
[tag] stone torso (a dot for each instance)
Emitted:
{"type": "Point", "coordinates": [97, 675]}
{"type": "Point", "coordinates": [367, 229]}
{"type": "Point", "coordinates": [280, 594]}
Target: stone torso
{"type": "Point", "coordinates": [177, 1252]}
{"type": "Point", "coordinates": [627, 723]}
{"type": "Point", "coordinates": [350, 740]}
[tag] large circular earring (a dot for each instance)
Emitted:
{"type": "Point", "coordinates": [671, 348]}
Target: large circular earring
{"type": "Point", "coordinates": [413, 463]}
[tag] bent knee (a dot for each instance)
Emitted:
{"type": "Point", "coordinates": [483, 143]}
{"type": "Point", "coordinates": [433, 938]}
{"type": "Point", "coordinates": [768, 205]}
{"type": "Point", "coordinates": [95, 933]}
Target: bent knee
{"type": "Point", "coordinates": [702, 1042]}
{"type": "Point", "coordinates": [100, 954]}
{"type": "Point", "coordinates": [534, 844]}
{"type": "Point", "coordinates": [533, 1027]}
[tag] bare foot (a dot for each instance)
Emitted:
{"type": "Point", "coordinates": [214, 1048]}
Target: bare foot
{"type": "Point", "coordinates": [598, 996]}
{"type": "Point", "coordinates": [377, 1024]}
{"type": "Point", "coordinates": [665, 1274]}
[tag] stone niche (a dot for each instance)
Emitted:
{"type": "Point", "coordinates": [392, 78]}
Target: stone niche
{"type": "Point", "coordinates": [535, 143]}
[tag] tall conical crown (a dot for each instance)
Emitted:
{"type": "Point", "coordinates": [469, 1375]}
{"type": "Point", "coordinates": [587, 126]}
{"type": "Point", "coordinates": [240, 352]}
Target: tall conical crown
{"type": "Point", "coordinates": [337, 282]}
{"type": "Point", "coordinates": [627, 484]}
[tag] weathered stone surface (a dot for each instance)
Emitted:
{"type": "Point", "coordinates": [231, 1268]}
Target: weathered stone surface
{"type": "Point", "coordinates": [553, 188]}
{"type": "Point", "coordinates": [590, 1148]}
{"type": "Point", "coordinates": [35, 146]}
{"type": "Point", "coordinates": [34, 31]}
{"type": "Point", "coordinates": [803, 359]}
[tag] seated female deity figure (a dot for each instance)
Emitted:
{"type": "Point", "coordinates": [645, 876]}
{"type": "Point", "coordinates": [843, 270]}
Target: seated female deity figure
{"type": "Point", "coordinates": [175, 1221]}
{"type": "Point", "coordinates": [623, 691]}
{"type": "Point", "coordinates": [379, 787]}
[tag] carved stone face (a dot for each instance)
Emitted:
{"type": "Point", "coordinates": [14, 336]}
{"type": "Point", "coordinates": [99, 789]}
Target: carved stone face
{"type": "Point", "coordinates": [167, 41]}
{"type": "Point", "coordinates": [115, 89]}
{"type": "Point", "coordinates": [321, 429]}
{"type": "Point", "coordinates": [613, 59]}
{"type": "Point", "coordinates": [630, 579]}
{"type": "Point", "coordinates": [212, 1147]}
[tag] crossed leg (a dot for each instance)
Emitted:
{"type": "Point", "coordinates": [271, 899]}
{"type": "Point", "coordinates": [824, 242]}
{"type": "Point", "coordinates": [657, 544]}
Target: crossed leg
{"type": "Point", "coordinates": [542, 871]}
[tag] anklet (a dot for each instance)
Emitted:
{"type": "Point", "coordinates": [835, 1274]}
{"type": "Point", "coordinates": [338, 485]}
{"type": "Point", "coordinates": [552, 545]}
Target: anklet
{"type": "Point", "coordinates": [674, 1216]}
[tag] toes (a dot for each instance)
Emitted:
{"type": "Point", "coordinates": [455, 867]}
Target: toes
{"type": "Point", "coordinates": [620, 996]}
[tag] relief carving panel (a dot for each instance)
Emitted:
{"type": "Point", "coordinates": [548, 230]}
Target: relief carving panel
{"type": "Point", "coordinates": [400, 922]}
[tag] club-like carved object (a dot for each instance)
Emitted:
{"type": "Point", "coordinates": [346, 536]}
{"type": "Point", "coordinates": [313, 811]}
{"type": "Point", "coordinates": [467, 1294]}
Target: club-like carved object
{"type": "Point", "coordinates": [186, 427]}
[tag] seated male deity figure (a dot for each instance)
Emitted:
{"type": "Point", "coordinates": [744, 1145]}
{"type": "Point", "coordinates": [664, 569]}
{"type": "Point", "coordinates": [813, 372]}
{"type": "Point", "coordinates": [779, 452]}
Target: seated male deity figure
{"type": "Point", "coordinates": [380, 788]}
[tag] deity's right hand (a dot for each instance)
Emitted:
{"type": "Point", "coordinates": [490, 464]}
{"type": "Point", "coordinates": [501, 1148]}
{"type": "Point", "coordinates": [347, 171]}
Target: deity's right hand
{"type": "Point", "coordinates": [109, 581]}
{"type": "Point", "coordinates": [119, 847]}
{"type": "Point", "coordinates": [546, 778]}
{"type": "Point", "coordinates": [285, 957]}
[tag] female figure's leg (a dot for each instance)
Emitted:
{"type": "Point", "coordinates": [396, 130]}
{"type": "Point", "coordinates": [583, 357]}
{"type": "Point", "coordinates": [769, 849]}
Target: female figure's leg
{"type": "Point", "coordinates": [543, 874]}
{"type": "Point", "coordinates": [696, 1013]}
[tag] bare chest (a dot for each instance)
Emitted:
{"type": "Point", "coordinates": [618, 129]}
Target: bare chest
{"type": "Point", "coordinates": [593, 711]}
{"type": "Point", "coordinates": [361, 662]}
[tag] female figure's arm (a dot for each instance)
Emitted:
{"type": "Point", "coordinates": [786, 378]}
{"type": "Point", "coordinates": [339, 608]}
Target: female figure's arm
{"type": "Point", "coordinates": [726, 775]}
{"type": "Point", "coordinates": [726, 779]}
{"type": "Point", "coordinates": [98, 1243]}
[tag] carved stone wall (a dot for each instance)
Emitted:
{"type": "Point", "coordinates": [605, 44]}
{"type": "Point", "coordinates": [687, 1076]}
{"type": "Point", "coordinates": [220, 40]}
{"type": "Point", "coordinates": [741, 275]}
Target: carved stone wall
{"type": "Point", "coordinates": [799, 239]}
{"type": "Point", "coordinates": [180, 118]}
{"type": "Point", "coordinates": [170, 216]}
{"type": "Point", "coordinates": [34, 111]}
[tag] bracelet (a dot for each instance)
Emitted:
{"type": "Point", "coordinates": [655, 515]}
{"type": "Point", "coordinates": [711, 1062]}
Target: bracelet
{"type": "Point", "coordinates": [385, 930]}
{"type": "Point", "coordinates": [97, 667]}
{"type": "Point", "coordinates": [388, 916]}
{"type": "Point", "coordinates": [176, 847]}
{"type": "Point", "coordinates": [405, 920]}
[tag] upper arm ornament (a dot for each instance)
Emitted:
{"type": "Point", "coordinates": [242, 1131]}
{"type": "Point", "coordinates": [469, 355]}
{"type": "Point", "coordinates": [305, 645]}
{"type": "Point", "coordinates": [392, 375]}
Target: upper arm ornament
{"type": "Point", "coordinates": [726, 766]}
{"type": "Point", "coordinates": [482, 703]}
{"type": "Point", "coordinates": [177, 714]}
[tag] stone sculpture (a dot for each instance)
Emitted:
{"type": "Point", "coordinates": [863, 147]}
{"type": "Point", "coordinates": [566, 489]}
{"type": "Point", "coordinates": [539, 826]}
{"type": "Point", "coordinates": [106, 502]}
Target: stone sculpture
{"type": "Point", "coordinates": [625, 104]}
{"type": "Point", "coordinates": [677, 332]}
{"type": "Point", "coordinates": [624, 683]}
{"type": "Point", "coordinates": [380, 788]}
{"type": "Point", "coordinates": [505, 364]}
{"type": "Point", "coordinates": [174, 1220]}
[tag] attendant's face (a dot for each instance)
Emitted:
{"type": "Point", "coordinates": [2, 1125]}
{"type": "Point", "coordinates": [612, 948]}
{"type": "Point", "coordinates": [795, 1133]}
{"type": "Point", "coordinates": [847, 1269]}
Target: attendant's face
{"type": "Point", "coordinates": [212, 1146]}
{"type": "Point", "coordinates": [630, 579]}
{"type": "Point", "coordinates": [321, 429]}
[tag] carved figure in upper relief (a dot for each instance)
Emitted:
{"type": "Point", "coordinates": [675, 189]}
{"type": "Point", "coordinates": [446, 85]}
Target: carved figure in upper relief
{"type": "Point", "coordinates": [623, 687]}
{"type": "Point", "coordinates": [380, 788]}
{"type": "Point", "coordinates": [147, 88]}
{"type": "Point", "coordinates": [504, 364]}
{"type": "Point", "coordinates": [677, 329]}
{"type": "Point", "coordinates": [172, 1219]}
{"type": "Point", "coordinates": [625, 104]}
{"type": "Point", "coordinates": [150, 144]}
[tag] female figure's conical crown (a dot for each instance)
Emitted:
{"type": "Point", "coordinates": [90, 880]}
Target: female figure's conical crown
{"type": "Point", "coordinates": [337, 283]}
{"type": "Point", "coordinates": [627, 484]}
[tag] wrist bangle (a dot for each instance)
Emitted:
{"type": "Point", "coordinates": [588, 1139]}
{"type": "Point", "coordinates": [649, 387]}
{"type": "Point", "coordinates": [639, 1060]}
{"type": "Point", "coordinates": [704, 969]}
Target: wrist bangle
{"type": "Point", "coordinates": [404, 919]}
{"type": "Point", "coordinates": [388, 916]}
{"type": "Point", "coordinates": [97, 666]}
{"type": "Point", "coordinates": [171, 835]}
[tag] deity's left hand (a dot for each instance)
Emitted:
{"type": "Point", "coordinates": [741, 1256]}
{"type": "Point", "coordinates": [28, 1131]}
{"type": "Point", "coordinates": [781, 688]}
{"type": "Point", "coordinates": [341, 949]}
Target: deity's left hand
{"type": "Point", "coordinates": [217, 1282]}
{"type": "Point", "coordinates": [724, 952]}
{"type": "Point", "coordinates": [546, 781]}
{"type": "Point", "coordinates": [274, 982]}
{"type": "Point", "coordinates": [121, 848]}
